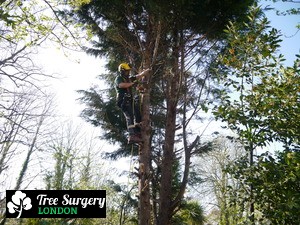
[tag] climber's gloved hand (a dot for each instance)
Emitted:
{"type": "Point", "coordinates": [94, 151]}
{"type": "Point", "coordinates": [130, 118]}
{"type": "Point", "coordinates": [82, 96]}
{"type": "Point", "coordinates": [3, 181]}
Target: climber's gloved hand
{"type": "Point", "coordinates": [133, 79]}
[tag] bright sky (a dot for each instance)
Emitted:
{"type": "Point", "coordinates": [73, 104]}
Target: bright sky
{"type": "Point", "coordinates": [287, 24]}
{"type": "Point", "coordinates": [77, 71]}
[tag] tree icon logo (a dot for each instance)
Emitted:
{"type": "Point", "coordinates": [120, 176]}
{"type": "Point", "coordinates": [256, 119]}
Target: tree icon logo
{"type": "Point", "coordinates": [18, 203]}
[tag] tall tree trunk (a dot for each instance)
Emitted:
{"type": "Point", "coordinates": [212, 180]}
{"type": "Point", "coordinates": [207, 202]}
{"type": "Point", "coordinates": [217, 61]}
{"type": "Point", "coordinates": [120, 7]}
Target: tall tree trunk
{"type": "Point", "coordinates": [172, 89]}
{"type": "Point", "coordinates": [165, 212]}
{"type": "Point", "coordinates": [144, 162]}
{"type": "Point", "coordinates": [149, 58]}
{"type": "Point", "coordinates": [165, 207]}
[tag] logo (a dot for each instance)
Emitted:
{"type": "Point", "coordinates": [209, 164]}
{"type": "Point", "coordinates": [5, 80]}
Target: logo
{"type": "Point", "coordinates": [56, 204]}
{"type": "Point", "coordinates": [19, 202]}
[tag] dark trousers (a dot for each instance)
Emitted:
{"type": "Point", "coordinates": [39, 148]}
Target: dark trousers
{"type": "Point", "coordinates": [131, 109]}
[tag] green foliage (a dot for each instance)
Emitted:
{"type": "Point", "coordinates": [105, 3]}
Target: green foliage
{"type": "Point", "coordinates": [25, 21]}
{"type": "Point", "coordinates": [239, 197]}
{"type": "Point", "coordinates": [118, 29]}
{"type": "Point", "coordinates": [277, 100]}
{"type": "Point", "coordinates": [191, 213]}
{"type": "Point", "coordinates": [277, 187]}
{"type": "Point", "coordinates": [105, 113]}
{"type": "Point", "coordinates": [276, 183]}
{"type": "Point", "coordinates": [262, 108]}
{"type": "Point", "coordinates": [265, 93]}
{"type": "Point", "coordinates": [123, 203]}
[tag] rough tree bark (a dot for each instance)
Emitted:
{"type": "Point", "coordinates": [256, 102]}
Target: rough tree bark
{"type": "Point", "coordinates": [144, 163]}
{"type": "Point", "coordinates": [149, 56]}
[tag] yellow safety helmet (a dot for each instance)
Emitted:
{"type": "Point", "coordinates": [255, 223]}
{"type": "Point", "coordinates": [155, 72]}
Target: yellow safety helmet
{"type": "Point", "coordinates": [124, 66]}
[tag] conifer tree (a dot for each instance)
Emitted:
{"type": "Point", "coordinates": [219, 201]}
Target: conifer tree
{"type": "Point", "coordinates": [177, 40]}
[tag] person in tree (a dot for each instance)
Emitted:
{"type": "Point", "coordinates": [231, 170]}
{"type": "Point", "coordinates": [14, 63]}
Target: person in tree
{"type": "Point", "coordinates": [130, 106]}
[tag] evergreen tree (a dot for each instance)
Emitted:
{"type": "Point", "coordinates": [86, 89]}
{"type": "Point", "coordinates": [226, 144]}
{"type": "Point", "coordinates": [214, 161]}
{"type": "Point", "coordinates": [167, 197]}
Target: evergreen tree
{"type": "Point", "coordinates": [177, 40]}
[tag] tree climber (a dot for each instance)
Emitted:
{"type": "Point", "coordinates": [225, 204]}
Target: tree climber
{"type": "Point", "coordinates": [128, 104]}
